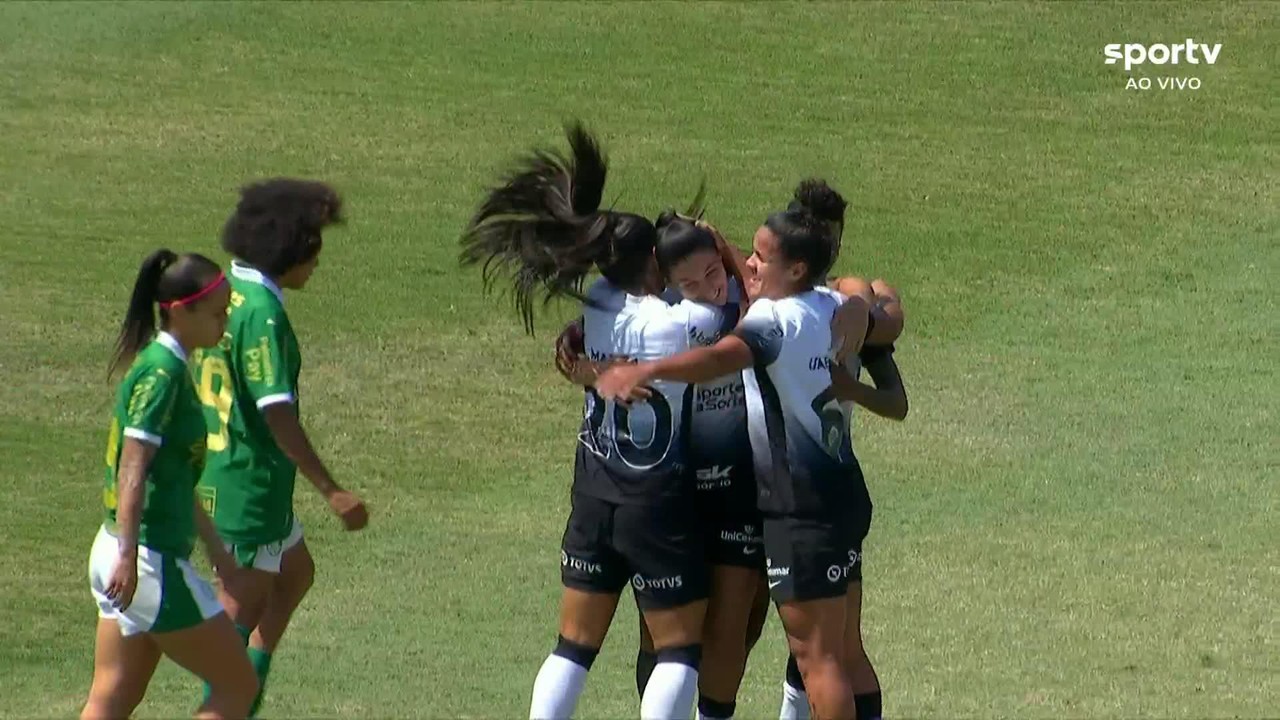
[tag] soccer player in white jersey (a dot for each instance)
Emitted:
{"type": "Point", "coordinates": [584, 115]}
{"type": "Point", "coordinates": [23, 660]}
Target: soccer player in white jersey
{"type": "Point", "coordinates": [704, 288]}
{"type": "Point", "coordinates": [810, 487]}
{"type": "Point", "coordinates": [633, 519]}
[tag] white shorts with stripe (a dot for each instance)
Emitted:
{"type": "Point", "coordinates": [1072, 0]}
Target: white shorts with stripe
{"type": "Point", "coordinates": [266, 557]}
{"type": "Point", "coordinates": [170, 594]}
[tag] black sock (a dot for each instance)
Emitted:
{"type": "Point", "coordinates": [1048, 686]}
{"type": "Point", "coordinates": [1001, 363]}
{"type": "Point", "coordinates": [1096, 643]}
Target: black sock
{"type": "Point", "coordinates": [794, 678]}
{"type": "Point", "coordinates": [868, 706]}
{"type": "Point", "coordinates": [714, 709]}
{"type": "Point", "coordinates": [645, 662]}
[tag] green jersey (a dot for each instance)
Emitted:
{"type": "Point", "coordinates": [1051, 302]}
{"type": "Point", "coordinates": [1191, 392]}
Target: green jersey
{"type": "Point", "coordinates": [247, 486]}
{"type": "Point", "coordinates": [156, 404]}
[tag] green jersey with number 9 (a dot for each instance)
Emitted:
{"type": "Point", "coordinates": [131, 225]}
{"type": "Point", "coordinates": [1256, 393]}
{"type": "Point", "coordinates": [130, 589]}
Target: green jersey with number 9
{"type": "Point", "coordinates": [247, 485]}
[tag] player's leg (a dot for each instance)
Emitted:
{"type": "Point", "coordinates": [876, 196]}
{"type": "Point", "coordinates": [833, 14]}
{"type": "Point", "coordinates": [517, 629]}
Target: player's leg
{"type": "Point", "coordinates": [737, 564]}
{"type": "Point", "coordinates": [795, 699]}
{"type": "Point", "coordinates": [124, 656]}
{"type": "Point", "coordinates": [593, 576]}
{"type": "Point", "coordinates": [122, 669]}
{"type": "Point", "coordinates": [646, 656]}
{"type": "Point", "coordinates": [862, 675]}
{"type": "Point", "coordinates": [213, 652]}
{"type": "Point", "coordinates": [188, 624]}
{"type": "Point", "coordinates": [759, 613]}
{"type": "Point", "coordinates": [246, 603]}
{"type": "Point", "coordinates": [297, 572]}
{"type": "Point", "coordinates": [725, 640]}
{"type": "Point", "coordinates": [808, 565]}
{"type": "Point", "coordinates": [664, 549]}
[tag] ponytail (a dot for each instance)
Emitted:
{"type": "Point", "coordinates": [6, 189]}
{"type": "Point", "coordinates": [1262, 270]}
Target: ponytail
{"type": "Point", "coordinates": [140, 319]}
{"type": "Point", "coordinates": [165, 279]}
{"type": "Point", "coordinates": [542, 227]}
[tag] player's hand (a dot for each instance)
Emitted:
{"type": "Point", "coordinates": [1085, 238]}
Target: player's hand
{"type": "Point", "coordinates": [350, 509]}
{"type": "Point", "coordinates": [124, 581]}
{"type": "Point", "coordinates": [623, 383]}
{"type": "Point", "coordinates": [570, 347]}
{"type": "Point", "coordinates": [849, 328]}
{"type": "Point", "coordinates": [233, 579]}
{"type": "Point", "coordinates": [891, 318]}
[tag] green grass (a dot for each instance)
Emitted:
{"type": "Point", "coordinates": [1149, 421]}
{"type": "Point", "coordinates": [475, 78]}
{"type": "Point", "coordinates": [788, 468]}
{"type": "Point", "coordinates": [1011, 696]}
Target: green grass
{"type": "Point", "coordinates": [1077, 520]}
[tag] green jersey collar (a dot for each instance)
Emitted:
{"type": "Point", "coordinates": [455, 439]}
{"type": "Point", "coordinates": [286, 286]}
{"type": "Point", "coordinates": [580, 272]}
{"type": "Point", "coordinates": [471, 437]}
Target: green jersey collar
{"type": "Point", "coordinates": [244, 272]}
{"type": "Point", "coordinates": [171, 344]}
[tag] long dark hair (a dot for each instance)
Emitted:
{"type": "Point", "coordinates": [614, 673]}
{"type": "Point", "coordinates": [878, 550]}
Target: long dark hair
{"type": "Point", "coordinates": [164, 277]}
{"type": "Point", "coordinates": [809, 229]}
{"type": "Point", "coordinates": [542, 228]}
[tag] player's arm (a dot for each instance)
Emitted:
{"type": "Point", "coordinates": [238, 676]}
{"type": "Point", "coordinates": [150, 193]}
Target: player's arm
{"type": "Point", "coordinates": [131, 482]}
{"type": "Point", "coordinates": [886, 319]}
{"type": "Point", "coordinates": [735, 262]}
{"type": "Point", "coordinates": [146, 420]}
{"type": "Point", "coordinates": [214, 549]}
{"type": "Point", "coordinates": [269, 380]}
{"type": "Point", "coordinates": [888, 397]}
{"type": "Point", "coordinates": [294, 443]}
{"type": "Point", "coordinates": [625, 383]}
{"type": "Point", "coordinates": [756, 340]}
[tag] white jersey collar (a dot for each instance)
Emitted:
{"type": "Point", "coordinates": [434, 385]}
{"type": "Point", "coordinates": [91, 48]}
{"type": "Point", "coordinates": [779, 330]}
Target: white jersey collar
{"type": "Point", "coordinates": [171, 344]}
{"type": "Point", "coordinates": [244, 272]}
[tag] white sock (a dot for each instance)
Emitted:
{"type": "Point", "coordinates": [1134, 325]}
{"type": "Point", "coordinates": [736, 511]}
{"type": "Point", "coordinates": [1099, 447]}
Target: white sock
{"type": "Point", "coordinates": [795, 704]}
{"type": "Point", "coordinates": [556, 690]}
{"type": "Point", "coordinates": [670, 694]}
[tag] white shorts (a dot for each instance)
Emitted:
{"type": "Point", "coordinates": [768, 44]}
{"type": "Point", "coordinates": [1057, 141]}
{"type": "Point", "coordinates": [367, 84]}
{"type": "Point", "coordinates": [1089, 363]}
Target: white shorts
{"type": "Point", "coordinates": [170, 594]}
{"type": "Point", "coordinates": [266, 557]}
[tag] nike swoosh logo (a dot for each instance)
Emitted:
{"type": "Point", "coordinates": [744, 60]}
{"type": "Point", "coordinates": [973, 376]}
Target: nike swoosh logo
{"type": "Point", "coordinates": [749, 550]}
{"type": "Point", "coordinates": [774, 583]}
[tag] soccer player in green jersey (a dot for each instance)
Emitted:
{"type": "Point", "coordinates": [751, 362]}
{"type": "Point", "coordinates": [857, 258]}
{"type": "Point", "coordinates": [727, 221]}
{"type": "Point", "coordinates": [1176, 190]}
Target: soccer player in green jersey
{"type": "Point", "coordinates": [150, 600]}
{"type": "Point", "coordinates": [249, 387]}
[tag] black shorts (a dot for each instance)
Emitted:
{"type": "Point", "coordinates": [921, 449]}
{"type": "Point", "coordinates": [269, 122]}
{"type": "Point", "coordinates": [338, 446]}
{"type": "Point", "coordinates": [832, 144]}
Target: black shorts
{"type": "Point", "coordinates": [736, 540]}
{"type": "Point", "coordinates": [811, 558]}
{"type": "Point", "coordinates": [658, 549]}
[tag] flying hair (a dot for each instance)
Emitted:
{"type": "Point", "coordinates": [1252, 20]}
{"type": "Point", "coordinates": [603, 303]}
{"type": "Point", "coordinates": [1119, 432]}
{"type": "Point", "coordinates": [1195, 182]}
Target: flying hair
{"type": "Point", "coordinates": [542, 230]}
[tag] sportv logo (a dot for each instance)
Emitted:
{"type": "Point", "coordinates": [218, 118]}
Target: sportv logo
{"type": "Point", "coordinates": [1160, 54]}
{"type": "Point", "coordinates": [1135, 54]}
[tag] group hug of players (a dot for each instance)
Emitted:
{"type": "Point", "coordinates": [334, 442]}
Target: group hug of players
{"type": "Point", "coordinates": [714, 469]}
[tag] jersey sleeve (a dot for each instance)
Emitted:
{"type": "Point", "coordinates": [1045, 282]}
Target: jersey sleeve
{"type": "Point", "coordinates": [264, 357]}
{"type": "Point", "coordinates": [762, 332]}
{"type": "Point", "coordinates": [150, 405]}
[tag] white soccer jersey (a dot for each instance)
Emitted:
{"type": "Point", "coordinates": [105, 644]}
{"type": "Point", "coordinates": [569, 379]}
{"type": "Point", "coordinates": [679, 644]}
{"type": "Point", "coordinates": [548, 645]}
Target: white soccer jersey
{"type": "Point", "coordinates": [719, 448]}
{"type": "Point", "coordinates": [800, 436]}
{"type": "Point", "coordinates": [635, 454]}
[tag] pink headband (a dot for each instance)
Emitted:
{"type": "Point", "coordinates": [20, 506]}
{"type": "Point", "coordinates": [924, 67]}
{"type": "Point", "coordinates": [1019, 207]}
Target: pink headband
{"type": "Point", "coordinates": [213, 285]}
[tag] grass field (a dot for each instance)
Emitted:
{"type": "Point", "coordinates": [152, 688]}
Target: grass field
{"type": "Point", "coordinates": [1078, 519]}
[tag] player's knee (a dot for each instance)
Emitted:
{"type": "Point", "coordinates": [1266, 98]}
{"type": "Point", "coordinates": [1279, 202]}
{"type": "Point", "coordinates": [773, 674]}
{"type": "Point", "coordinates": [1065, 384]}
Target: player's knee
{"type": "Point", "coordinates": [827, 685]}
{"type": "Point", "coordinates": [687, 655]}
{"type": "Point", "coordinates": [306, 577]}
{"type": "Point", "coordinates": [300, 573]}
{"type": "Point", "coordinates": [583, 655]}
